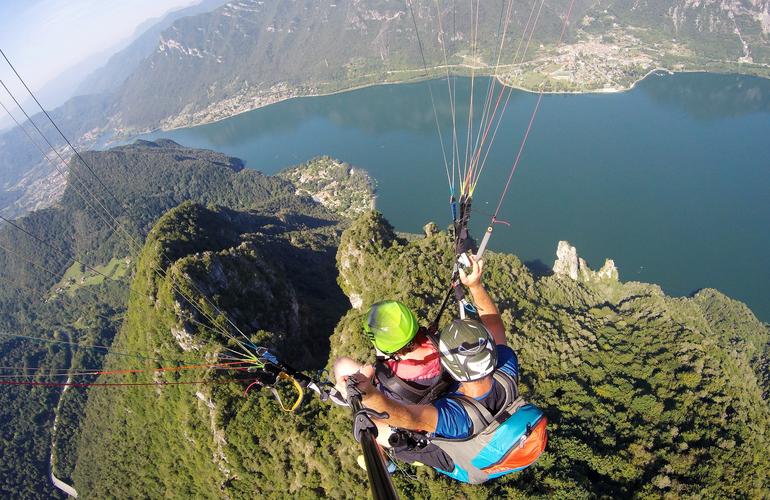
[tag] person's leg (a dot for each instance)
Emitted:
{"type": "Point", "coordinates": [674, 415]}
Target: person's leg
{"type": "Point", "coordinates": [383, 433]}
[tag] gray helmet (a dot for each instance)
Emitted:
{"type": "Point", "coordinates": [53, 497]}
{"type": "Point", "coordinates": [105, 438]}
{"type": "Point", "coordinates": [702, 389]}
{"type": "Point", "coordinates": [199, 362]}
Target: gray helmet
{"type": "Point", "coordinates": [468, 350]}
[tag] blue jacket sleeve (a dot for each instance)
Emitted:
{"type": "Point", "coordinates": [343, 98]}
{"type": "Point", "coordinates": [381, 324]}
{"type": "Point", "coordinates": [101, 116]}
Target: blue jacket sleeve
{"type": "Point", "coordinates": [453, 420]}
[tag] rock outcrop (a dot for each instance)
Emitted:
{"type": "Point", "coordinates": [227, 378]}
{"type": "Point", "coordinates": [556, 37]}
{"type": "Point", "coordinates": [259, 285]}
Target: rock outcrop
{"type": "Point", "coordinates": [568, 263]}
{"type": "Point", "coordinates": [430, 229]}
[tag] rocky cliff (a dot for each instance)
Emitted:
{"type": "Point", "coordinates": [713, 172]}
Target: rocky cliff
{"type": "Point", "coordinates": [275, 280]}
{"type": "Point", "coordinates": [569, 264]}
{"type": "Point", "coordinates": [285, 264]}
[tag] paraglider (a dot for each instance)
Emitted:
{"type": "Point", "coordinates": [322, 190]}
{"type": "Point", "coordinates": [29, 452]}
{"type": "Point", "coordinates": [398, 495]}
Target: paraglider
{"type": "Point", "coordinates": [480, 428]}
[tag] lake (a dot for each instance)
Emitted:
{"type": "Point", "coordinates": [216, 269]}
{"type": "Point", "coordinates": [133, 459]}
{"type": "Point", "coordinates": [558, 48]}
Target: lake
{"type": "Point", "coordinates": [670, 179]}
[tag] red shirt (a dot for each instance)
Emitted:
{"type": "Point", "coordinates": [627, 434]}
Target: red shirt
{"type": "Point", "coordinates": [421, 363]}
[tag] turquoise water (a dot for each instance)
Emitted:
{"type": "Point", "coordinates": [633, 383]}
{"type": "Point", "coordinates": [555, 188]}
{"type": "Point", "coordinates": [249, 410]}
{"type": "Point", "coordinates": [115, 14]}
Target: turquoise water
{"type": "Point", "coordinates": [671, 179]}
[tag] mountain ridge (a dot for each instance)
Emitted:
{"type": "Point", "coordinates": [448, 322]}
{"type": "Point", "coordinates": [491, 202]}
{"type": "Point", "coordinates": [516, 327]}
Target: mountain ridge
{"type": "Point", "coordinates": [111, 75]}
{"type": "Point", "coordinates": [248, 54]}
{"type": "Point", "coordinates": [642, 395]}
{"type": "Point", "coordinates": [147, 179]}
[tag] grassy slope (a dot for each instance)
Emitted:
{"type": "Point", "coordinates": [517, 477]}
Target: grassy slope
{"type": "Point", "coordinates": [76, 276]}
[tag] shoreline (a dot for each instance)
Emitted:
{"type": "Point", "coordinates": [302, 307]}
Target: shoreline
{"type": "Point", "coordinates": [606, 90]}
{"type": "Point", "coordinates": [612, 90]}
{"type": "Point", "coordinates": [661, 71]}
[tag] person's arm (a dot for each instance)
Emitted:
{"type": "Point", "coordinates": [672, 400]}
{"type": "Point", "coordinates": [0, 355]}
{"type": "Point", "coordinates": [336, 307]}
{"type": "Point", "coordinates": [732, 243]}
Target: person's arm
{"type": "Point", "coordinates": [487, 309]}
{"type": "Point", "coordinates": [411, 417]}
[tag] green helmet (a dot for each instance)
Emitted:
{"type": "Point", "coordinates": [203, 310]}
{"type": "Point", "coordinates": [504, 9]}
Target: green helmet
{"type": "Point", "coordinates": [468, 350]}
{"type": "Point", "coordinates": [390, 325]}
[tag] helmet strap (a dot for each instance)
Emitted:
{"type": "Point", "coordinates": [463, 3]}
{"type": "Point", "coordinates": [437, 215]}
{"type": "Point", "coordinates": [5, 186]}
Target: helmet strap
{"type": "Point", "coordinates": [383, 356]}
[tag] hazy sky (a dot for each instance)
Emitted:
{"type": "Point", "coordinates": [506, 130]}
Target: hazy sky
{"type": "Point", "coordinates": [45, 37]}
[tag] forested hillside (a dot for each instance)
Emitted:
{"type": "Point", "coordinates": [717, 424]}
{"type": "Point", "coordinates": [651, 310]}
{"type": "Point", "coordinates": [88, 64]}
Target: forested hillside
{"type": "Point", "coordinates": [249, 53]}
{"type": "Point", "coordinates": [111, 76]}
{"type": "Point", "coordinates": [646, 394]}
{"type": "Point", "coordinates": [276, 280]}
{"type": "Point", "coordinates": [52, 308]}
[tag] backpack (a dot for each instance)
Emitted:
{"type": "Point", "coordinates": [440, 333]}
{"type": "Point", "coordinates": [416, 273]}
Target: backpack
{"type": "Point", "coordinates": [509, 441]}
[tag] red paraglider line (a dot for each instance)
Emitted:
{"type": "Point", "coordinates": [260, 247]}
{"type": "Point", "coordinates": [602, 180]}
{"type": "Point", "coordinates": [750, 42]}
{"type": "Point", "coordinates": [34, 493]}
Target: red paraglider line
{"type": "Point", "coordinates": [75, 373]}
{"type": "Point", "coordinates": [115, 384]}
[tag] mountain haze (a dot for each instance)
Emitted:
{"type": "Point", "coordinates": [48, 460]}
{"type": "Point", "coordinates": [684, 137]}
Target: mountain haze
{"type": "Point", "coordinates": [120, 65]}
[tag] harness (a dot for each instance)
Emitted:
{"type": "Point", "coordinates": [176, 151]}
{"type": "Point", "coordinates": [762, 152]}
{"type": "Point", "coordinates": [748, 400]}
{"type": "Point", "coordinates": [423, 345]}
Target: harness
{"type": "Point", "coordinates": [412, 392]}
{"type": "Point", "coordinates": [499, 444]}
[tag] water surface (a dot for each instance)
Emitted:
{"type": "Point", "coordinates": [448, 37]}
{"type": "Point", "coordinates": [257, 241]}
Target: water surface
{"type": "Point", "coordinates": [671, 179]}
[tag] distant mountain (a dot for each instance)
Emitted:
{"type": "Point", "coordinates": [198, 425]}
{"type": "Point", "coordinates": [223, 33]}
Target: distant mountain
{"type": "Point", "coordinates": [729, 31]}
{"type": "Point", "coordinates": [112, 75]}
{"type": "Point", "coordinates": [107, 69]}
{"type": "Point", "coordinates": [26, 181]}
{"type": "Point", "coordinates": [250, 53]}
{"type": "Point", "coordinates": [59, 90]}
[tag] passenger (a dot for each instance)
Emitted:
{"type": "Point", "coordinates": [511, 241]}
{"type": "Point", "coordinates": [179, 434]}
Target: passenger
{"type": "Point", "coordinates": [407, 365]}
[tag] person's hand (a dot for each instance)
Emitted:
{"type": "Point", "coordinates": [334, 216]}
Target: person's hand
{"type": "Point", "coordinates": [359, 385]}
{"type": "Point", "coordinates": [474, 278]}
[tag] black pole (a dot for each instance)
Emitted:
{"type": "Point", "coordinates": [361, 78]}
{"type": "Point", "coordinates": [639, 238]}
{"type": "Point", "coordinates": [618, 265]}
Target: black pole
{"type": "Point", "coordinates": [379, 479]}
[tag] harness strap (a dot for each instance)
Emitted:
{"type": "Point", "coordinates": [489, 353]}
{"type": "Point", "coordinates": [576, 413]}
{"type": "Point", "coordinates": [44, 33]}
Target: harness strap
{"type": "Point", "coordinates": [509, 383]}
{"type": "Point", "coordinates": [393, 382]}
{"type": "Point", "coordinates": [480, 416]}
{"type": "Point", "coordinates": [415, 395]}
{"type": "Point", "coordinates": [438, 388]}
